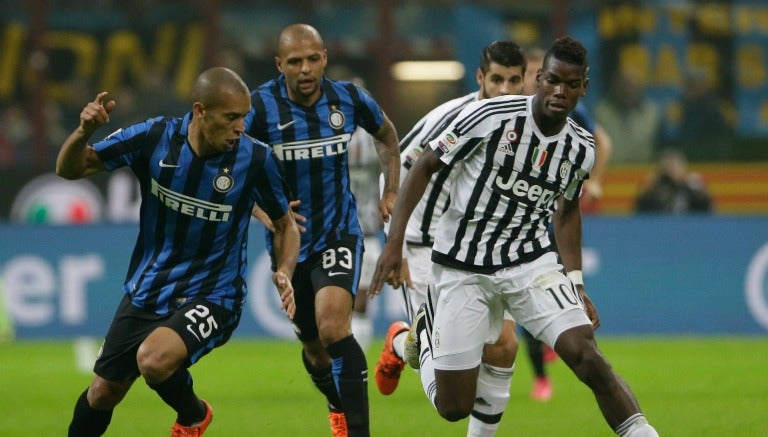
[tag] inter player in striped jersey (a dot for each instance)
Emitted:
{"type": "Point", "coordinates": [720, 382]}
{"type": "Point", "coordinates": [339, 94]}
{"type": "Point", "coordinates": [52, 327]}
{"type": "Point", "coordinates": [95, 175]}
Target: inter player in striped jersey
{"type": "Point", "coordinates": [308, 120]}
{"type": "Point", "coordinates": [501, 72]}
{"type": "Point", "coordinates": [185, 286]}
{"type": "Point", "coordinates": [521, 162]}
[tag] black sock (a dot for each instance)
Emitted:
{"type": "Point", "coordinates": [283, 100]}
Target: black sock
{"type": "Point", "coordinates": [177, 392]}
{"type": "Point", "coordinates": [535, 353]}
{"type": "Point", "coordinates": [323, 380]}
{"type": "Point", "coordinates": [86, 421]}
{"type": "Point", "coordinates": [350, 370]}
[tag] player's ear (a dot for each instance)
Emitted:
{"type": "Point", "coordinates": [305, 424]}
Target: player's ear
{"type": "Point", "coordinates": [198, 109]}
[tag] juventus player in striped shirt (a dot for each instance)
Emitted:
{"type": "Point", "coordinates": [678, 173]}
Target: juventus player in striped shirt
{"type": "Point", "coordinates": [501, 72]}
{"type": "Point", "coordinates": [521, 162]}
{"type": "Point", "coordinates": [308, 120]}
{"type": "Point", "coordinates": [185, 286]}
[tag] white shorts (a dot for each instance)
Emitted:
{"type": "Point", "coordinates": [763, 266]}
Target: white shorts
{"type": "Point", "coordinates": [370, 258]}
{"type": "Point", "coordinates": [420, 266]}
{"type": "Point", "coordinates": [470, 308]}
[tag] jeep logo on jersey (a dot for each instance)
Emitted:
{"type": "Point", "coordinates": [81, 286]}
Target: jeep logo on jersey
{"type": "Point", "coordinates": [189, 205]}
{"type": "Point", "coordinates": [309, 149]}
{"type": "Point", "coordinates": [526, 189]}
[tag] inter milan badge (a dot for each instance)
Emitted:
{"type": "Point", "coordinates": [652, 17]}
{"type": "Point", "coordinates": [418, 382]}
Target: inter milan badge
{"type": "Point", "coordinates": [336, 119]}
{"type": "Point", "coordinates": [223, 181]}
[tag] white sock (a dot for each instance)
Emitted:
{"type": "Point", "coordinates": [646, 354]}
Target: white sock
{"type": "Point", "coordinates": [636, 426]}
{"type": "Point", "coordinates": [362, 329]}
{"type": "Point", "coordinates": [398, 343]}
{"type": "Point", "coordinates": [493, 385]}
{"type": "Point", "coordinates": [427, 370]}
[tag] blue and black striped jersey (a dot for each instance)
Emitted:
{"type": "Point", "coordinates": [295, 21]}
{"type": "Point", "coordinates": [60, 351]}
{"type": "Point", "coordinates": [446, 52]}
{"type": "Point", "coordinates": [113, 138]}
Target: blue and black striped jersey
{"type": "Point", "coordinates": [194, 212]}
{"type": "Point", "coordinates": [312, 144]}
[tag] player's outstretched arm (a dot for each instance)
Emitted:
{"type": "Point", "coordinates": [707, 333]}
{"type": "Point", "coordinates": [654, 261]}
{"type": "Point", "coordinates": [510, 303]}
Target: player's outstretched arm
{"type": "Point", "coordinates": [77, 159]}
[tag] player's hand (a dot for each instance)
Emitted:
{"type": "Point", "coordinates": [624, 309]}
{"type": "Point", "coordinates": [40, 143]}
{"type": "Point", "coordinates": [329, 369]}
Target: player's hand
{"type": "Point", "coordinates": [387, 269]}
{"type": "Point", "coordinates": [387, 205]}
{"type": "Point", "coordinates": [96, 113]}
{"type": "Point", "coordinates": [300, 219]}
{"type": "Point", "coordinates": [285, 288]}
{"type": "Point", "coordinates": [589, 308]}
{"type": "Point", "coordinates": [405, 274]}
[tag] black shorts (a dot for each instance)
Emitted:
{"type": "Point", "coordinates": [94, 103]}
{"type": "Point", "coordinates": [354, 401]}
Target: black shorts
{"type": "Point", "coordinates": [201, 324]}
{"type": "Point", "coordinates": [338, 265]}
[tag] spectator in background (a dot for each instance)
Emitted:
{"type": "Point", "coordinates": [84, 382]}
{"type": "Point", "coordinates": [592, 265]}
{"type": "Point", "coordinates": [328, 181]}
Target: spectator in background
{"type": "Point", "coordinates": [704, 133]}
{"type": "Point", "coordinates": [625, 112]}
{"type": "Point", "coordinates": [674, 189]}
{"type": "Point", "coordinates": [15, 136]}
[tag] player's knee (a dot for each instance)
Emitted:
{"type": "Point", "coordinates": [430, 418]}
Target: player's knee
{"type": "Point", "coordinates": [153, 365]}
{"type": "Point", "coordinates": [454, 411]}
{"type": "Point", "coordinates": [105, 395]}
{"type": "Point", "coordinates": [331, 330]}
{"type": "Point", "coordinates": [456, 406]}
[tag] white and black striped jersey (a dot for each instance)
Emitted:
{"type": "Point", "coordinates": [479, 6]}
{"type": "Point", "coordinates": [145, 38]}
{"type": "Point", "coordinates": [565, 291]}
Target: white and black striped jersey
{"type": "Point", "coordinates": [423, 221]}
{"type": "Point", "coordinates": [507, 179]}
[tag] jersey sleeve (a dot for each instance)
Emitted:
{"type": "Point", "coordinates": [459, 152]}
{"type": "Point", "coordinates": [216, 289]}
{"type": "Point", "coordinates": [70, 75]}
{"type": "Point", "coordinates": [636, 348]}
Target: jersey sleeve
{"type": "Point", "coordinates": [271, 188]}
{"type": "Point", "coordinates": [369, 114]}
{"type": "Point", "coordinates": [124, 146]}
{"type": "Point", "coordinates": [457, 140]}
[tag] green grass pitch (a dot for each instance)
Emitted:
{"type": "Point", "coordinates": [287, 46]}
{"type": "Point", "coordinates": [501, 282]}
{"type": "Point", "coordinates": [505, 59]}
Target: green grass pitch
{"type": "Point", "coordinates": [691, 386]}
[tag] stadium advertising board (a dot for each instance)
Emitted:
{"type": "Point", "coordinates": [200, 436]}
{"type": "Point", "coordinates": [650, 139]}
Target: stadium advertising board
{"type": "Point", "coordinates": [647, 276]}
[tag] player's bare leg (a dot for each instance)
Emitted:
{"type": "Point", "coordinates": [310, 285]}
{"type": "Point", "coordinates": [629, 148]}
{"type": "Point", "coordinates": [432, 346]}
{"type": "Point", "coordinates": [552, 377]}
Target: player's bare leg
{"type": "Point", "coordinates": [493, 383]}
{"type": "Point", "coordinates": [578, 350]}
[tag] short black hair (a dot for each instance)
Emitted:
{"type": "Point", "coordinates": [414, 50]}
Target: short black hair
{"type": "Point", "coordinates": [506, 53]}
{"type": "Point", "coordinates": [568, 50]}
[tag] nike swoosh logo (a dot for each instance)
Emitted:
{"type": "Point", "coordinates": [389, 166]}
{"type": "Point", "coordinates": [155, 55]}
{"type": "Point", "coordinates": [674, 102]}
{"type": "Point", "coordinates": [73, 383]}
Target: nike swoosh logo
{"type": "Point", "coordinates": [336, 273]}
{"type": "Point", "coordinates": [283, 126]}
{"type": "Point", "coordinates": [164, 165]}
{"type": "Point", "coordinates": [192, 331]}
